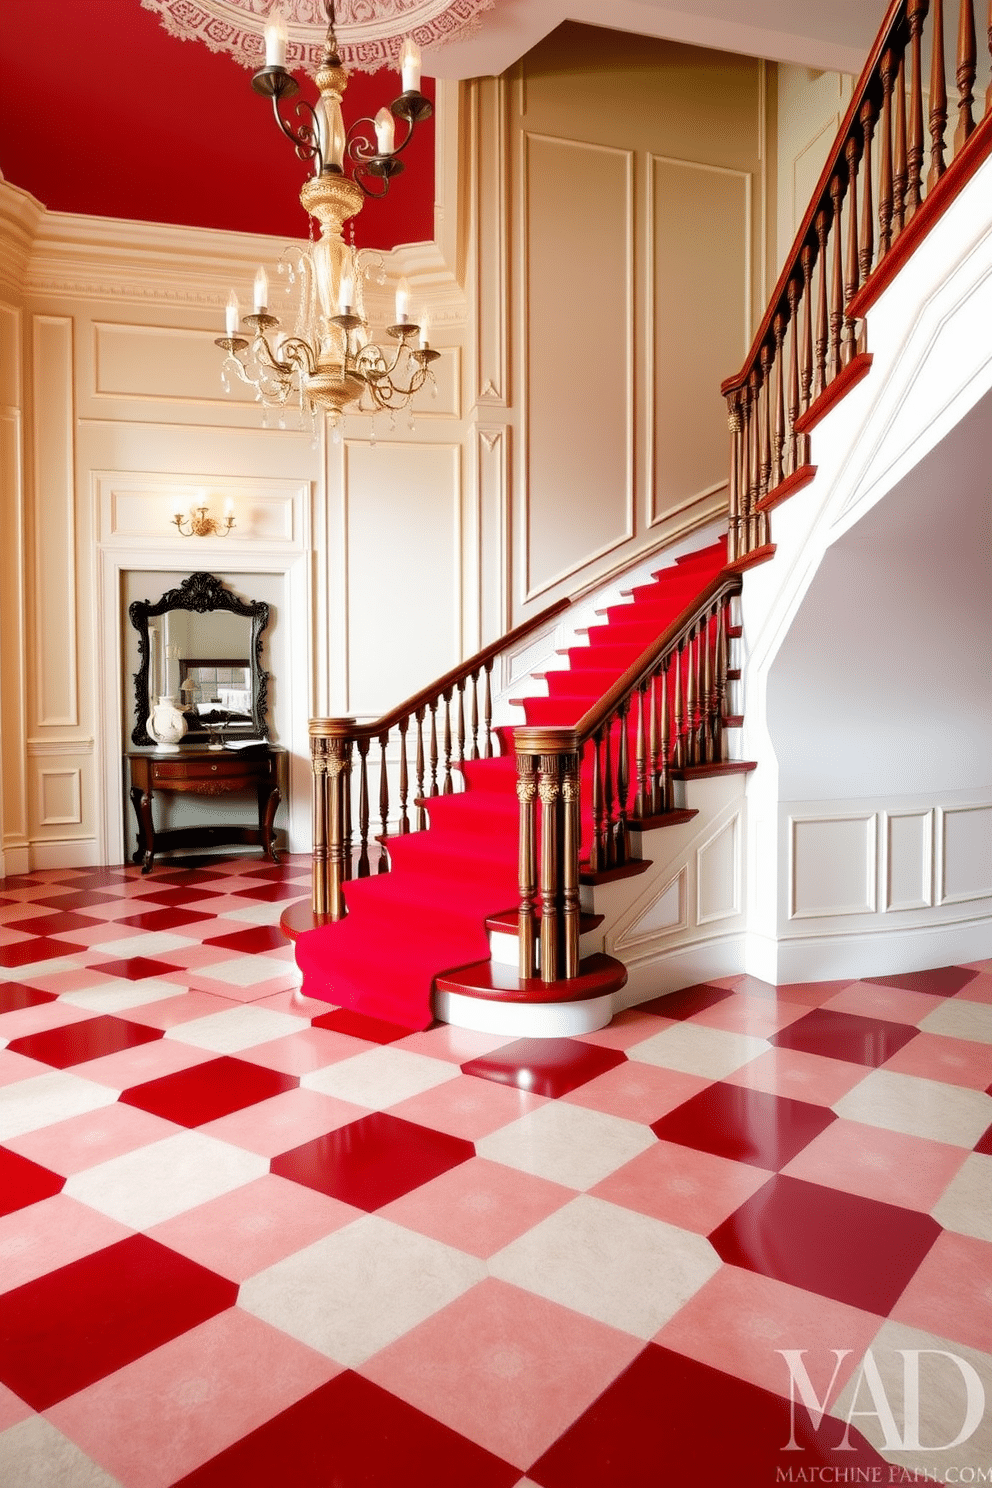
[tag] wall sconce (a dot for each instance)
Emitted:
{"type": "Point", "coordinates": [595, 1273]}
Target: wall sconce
{"type": "Point", "coordinates": [199, 523]}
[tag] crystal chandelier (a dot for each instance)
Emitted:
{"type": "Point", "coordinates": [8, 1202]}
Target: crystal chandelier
{"type": "Point", "coordinates": [329, 360]}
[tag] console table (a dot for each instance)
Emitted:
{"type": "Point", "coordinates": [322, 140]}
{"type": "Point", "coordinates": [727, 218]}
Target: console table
{"type": "Point", "coordinates": [199, 771]}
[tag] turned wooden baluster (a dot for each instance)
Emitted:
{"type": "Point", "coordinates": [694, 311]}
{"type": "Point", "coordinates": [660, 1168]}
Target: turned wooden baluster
{"type": "Point", "coordinates": [597, 853]}
{"type": "Point", "coordinates": [709, 694]}
{"type": "Point", "coordinates": [965, 74]}
{"type": "Point", "coordinates": [461, 722]}
{"type": "Point", "coordinates": [900, 169]}
{"type": "Point", "coordinates": [420, 771]}
{"type": "Point", "coordinates": [404, 780]}
{"type": "Point", "coordinates": [475, 715]}
{"type": "Point", "coordinates": [754, 474]}
{"type": "Point", "coordinates": [487, 711]}
{"type": "Point", "coordinates": [734, 537]}
{"type": "Point", "coordinates": [822, 316]}
{"type": "Point", "coordinates": [807, 258]}
{"type": "Point", "coordinates": [791, 456]}
{"type": "Point", "coordinates": [834, 359]}
{"type": "Point", "coordinates": [448, 782]}
{"type": "Point", "coordinates": [678, 722]}
{"type": "Point", "coordinates": [609, 839]}
{"type": "Point", "coordinates": [852, 154]}
{"type": "Point", "coordinates": [866, 245]}
{"type": "Point", "coordinates": [691, 700]}
{"type": "Point", "coordinates": [527, 874]}
{"type": "Point", "coordinates": [623, 783]}
{"type": "Point", "coordinates": [641, 799]}
{"type": "Point", "coordinates": [916, 15]}
{"type": "Point", "coordinates": [888, 71]}
{"type": "Point", "coordinates": [720, 680]}
{"type": "Point", "coordinates": [747, 491]}
{"type": "Point", "coordinates": [383, 804]}
{"type": "Point", "coordinates": [764, 474]}
{"type": "Point", "coordinates": [364, 867]}
{"type": "Point", "coordinates": [938, 99]}
{"type": "Point", "coordinates": [702, 694]}
{"type": "Point", "coordinates": [571, 822]}
{"type": "Point", "coordinates": [665, 753]}
{"type": "Point", "coordinates": [320, 897]}
{"type": "Point", "coordinates": [433, 755]}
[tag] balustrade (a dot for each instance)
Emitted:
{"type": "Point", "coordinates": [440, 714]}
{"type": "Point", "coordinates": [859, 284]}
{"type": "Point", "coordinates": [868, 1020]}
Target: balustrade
{"type": "Point", "coordinates": [871, 193]}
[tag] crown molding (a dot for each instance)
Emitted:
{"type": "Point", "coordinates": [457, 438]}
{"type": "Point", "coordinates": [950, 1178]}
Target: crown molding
{"type": "Point", "coordinates": [20, 215]}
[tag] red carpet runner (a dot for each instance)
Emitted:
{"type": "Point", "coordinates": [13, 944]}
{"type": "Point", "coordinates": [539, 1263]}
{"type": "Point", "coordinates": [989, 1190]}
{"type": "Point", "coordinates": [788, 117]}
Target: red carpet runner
{"type": "Point", "coordinates": [428, 914]}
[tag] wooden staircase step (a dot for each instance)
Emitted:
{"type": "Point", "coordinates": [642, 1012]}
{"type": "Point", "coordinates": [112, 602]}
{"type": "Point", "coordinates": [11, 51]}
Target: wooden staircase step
{"type": "Point", "coordinates": [721, 767]}
{"type": "Point", "coordinates": [598, 976]}
{"type": "Point", "coordinates": [508, 923]}
{"type": "Point", "coordinates": [661, 819]}
{"type": "Point", "coordinates": [610, 875]}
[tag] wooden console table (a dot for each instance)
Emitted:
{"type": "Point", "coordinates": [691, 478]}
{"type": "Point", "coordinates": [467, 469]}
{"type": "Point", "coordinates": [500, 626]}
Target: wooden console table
{"type": "Point", "coordinates": [199, 771]}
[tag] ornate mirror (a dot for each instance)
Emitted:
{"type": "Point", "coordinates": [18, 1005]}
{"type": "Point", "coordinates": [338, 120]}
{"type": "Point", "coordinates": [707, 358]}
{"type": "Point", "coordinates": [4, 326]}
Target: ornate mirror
{"type": "Point", "coordinates": [202, 645]}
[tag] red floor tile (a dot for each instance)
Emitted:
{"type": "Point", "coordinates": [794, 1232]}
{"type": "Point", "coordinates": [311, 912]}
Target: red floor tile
{"type": "Point", "coordinates": [549, 1067]}
{"type": "Point", "coordinates": [251, 940]}
{"type": "Point", "coordinates": [846, 1036]}
{"type": "Point", "coordinates": [853, 1249]}
{"type": "Point", "coordinates": [77, 899]}
{"type": "Point", "coordinates": [23, 1182]}
{"type": "Point", "coordinates": [670, 1420]}
{"type": "Point", "coordinates": [745, 1125]}
{"type": "Point", "coordinates": [684, 1003]}
{"type": "Point", "coordinates": [373, 1161]}
{"type": "Point", "coordinates": [54, 924]}
{"type": "Point", "coordinates": [171, 897]}
{"type": "Point", "coordinates": [74, 1326]}
{"type": "Point", "coordinates": [984, 1143]}
{"type": "Point", "coordinates": [135, 968]}
{"type": "Point", "coordinates": [269, 893]}
{"type": "Point", "coordinates": [943, 981]}
{"type": "Point", "coordinates": [352, 1434]}
{"type": "Point", "coordinates": [357, 1025]}
{"type": "Point", "coordinates": [190, 1097]}
{"type": "Point", "coordinates": [164, 918]}
{"type": "Point", "coordinates": [14, 996]}
{"type": "Point", "coordinates": [22, 952]}
{"type": "Point", "coordinates": [64, 1047]}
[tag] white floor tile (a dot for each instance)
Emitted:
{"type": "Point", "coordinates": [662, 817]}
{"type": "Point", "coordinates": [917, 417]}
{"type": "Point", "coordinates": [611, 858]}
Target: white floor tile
{"type": "Point", "coordinates": [957, 1018]}
{"type": "Point", "coordinates": [236, 1028]}
{"type": "Point", "coordinates": [379, 1078]}
{"type": "Point", "coordinates": [920, 1108]}
{"type": "Point", "coordinates": [966, 1203]}
{"type": "Point", "coordinates": [166, 1178]}
{"type": "Point", "coordinates": [110, 997]}
{"type": "Point", "coordinates": [619, 1267]}
{"type": "Point", "coordinates": [31, 1104]}
{"type": "Point", "coordinates": [567, 1144]}
{"type": "Point", "coordinates": [695, 1049]}
{"type": "Point", "coordinates": [245, 971]}
{"type": "Point", "coordinates": [359, 1289]}
{"type": "Point", "coordinates": [155, 943]}
{"type": "Point", "coordinates": [33, 1454]}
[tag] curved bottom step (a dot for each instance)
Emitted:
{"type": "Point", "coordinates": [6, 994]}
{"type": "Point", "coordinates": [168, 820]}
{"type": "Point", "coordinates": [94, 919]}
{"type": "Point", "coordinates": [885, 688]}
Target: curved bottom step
{"type": "Point", "coordinates": [491, 998]}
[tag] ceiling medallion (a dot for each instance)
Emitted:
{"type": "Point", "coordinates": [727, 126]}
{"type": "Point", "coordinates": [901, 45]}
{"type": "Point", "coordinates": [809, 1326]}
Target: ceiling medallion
{"type": "Point", "coordinates": [370, 32]}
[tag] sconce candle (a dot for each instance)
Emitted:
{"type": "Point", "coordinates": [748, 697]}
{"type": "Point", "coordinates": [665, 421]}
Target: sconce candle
{"type": "Point", "coordinates": [385, 132]}
{"type": "Point", "coordinates": [276, 39]}
{"type": "Point", "coordinates": [410, 66]}
{"type": "Point", "coordinates": [232, 314]}
{"type": "Point", "coordinates": [261, 292]}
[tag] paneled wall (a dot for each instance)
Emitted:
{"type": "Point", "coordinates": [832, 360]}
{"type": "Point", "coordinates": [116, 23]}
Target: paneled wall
{"type": "Point", "coordinates": [624, 182]}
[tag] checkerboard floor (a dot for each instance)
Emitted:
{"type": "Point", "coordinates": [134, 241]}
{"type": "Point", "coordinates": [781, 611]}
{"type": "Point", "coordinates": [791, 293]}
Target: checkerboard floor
{"type": "Point", "coordinates": [248, 1239]}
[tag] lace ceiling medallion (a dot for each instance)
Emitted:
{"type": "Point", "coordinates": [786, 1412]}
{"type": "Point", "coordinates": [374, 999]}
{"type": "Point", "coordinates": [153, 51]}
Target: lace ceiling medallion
{"type": "Point", "coordinates": [370, 32]}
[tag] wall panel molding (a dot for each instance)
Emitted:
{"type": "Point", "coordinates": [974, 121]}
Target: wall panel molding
{"type": "Point", "coordinates": [56, 658]}
{"type": "Point", "coordinates": [832, 865]}
{"type": "Point", "coordinates": [906, 867]}
{"type": "Point", "coordinates": [964, 856]}
{"type": "Point", "coordinates": [60, 796]}
{"type": "Point", "coordinates": [719, 874]}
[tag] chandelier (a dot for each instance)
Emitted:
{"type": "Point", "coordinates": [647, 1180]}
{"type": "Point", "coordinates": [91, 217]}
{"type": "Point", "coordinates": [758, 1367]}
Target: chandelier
{"type": "Point", "coordinates": [329, 360]}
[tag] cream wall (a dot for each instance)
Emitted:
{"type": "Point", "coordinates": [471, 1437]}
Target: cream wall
{"type": "Point", "coordinates": [536, 469]}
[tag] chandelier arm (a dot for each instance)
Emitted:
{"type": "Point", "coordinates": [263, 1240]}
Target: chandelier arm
{"type": "Point", "coordinates": [305, 137]}
{"type": "Point", "coordinates": [295, 354]}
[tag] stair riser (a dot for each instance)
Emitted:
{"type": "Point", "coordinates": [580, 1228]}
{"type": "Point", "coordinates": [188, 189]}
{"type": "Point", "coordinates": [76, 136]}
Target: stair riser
{"type": "Point", "coordinates": [505, 948]}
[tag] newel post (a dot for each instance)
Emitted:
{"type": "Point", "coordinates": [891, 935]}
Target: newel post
{"type": "Point", "coordinates": [548, 763]}
{"type": "Point", "coordinates": [330, 757]}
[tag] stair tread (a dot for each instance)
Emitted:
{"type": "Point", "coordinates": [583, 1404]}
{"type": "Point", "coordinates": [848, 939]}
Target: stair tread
{"type": "Point", "coordinates": [598, 975]}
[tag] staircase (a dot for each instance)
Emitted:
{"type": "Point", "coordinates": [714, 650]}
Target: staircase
{"type": "Point", "coordinates": [445, 915]}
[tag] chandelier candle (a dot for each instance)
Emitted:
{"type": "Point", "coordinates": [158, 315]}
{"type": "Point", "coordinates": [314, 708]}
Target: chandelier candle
{"type": "Point", "coordinates": [329, 359]}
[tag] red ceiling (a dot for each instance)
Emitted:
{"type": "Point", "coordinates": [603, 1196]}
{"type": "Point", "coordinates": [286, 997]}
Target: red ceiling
{"type": "Point", "coordinates": [103, 112]}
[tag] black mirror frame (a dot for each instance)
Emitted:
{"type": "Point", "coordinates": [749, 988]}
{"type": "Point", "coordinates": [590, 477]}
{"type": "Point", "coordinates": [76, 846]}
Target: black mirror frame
{"type": "Point", "coordinates": [202, 593]}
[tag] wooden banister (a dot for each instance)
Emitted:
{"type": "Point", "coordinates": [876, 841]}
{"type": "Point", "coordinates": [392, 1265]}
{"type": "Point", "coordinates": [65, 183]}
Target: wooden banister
{"type": "Point", "coordinates": [854, 236]}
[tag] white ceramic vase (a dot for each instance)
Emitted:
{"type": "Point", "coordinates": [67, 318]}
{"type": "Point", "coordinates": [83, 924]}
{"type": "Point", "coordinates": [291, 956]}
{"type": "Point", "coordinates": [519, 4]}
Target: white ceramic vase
{"type": "Point", "coordinates": [166, 725]}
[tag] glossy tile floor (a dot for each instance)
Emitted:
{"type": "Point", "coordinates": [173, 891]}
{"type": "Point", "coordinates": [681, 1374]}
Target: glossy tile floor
{"type": "Point", "coordinates": [249, 1240]}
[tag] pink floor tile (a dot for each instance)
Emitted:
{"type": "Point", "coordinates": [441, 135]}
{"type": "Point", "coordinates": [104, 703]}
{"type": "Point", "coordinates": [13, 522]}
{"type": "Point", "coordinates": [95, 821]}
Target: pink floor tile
{"type": "Point", "coordinates": [739, 1321]}
{"type": "Point", "coordinates": [310, 1049]}
{"type": "Point", "coordinates": [810, 994]}
{"type": "Point", "coordinates": [490, 1366]}
{"type": "Point", "coordinates": [148, 1062]}
{"type": "Point", "coordinates": [878, 1164]}
{"type": "Point", "coordinates": [196, 957]}
{"type": "Point", "coordinates": [980, 988]}
{"type": "Point", "coordinates": [280, 981]}
{"type": "Point", "coordinates": [636, 1091]}
{"type": "Point", "coordinates": [293, 1001]}
{"type": "Point", "coordinates": [952, 1061]}
{"type": "Point", "coordinates": [97, 935]}
{"type": "Point", "coordinates": [950, 1293]}
{"type": "Point", "coordinates": [158, 1418]}
{"type": "Point", "coordinates": [84, 1141]}
{"type": "Point", "coordinates": [694, 1190]}
{"type": "Point", "coordinates": [12, 1408]}
{"type": "Point", "coordinates": [478, 1207]}
{"type": "Point", "coordinates": [806, 1077]}
{"type": "Point", "coordinates": [249, 1229]}
{"type": "Point", "coordinates": [45, 1236]}
{"type": "Point", "coordinates": [872, 1000]}
{"type": "Point", "coordinates": [40, 1018]}
{"type": "Point", "coordinates": [751, 1014]}
{"type": "Point", "coordinates": [76, 979]}
{"type": "Point", "coordinates": [282, 1122]}
{"type": "Point", "coordinates": [14, 1067]}
{"type": "Point", "coordinates": [627, 1029]}
{"type": "Point", "coordinates": [446, 1042]}
{"type": "Point", "coordinates": [181, 1008]}
{"type": "Point", "coordinates": [467, 1107]}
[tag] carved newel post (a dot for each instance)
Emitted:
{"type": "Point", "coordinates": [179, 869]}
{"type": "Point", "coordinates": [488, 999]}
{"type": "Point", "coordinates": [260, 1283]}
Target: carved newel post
{"type": "Point", "coordinates": [330, 755]}
{"type": "Point", "coordinates": [548, 763]}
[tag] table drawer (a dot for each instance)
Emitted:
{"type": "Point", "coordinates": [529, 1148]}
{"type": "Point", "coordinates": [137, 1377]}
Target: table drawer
{"type": "Point", "coordinates": [232, 772]}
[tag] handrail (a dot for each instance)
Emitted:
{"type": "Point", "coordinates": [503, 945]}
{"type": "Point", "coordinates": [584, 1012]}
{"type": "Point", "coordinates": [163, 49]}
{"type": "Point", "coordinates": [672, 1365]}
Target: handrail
{"type": "Point", "coordinates": [873, 203]}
